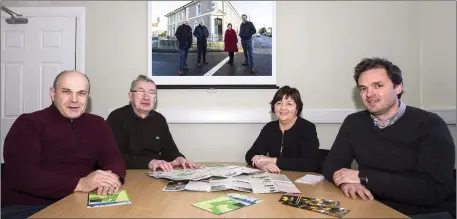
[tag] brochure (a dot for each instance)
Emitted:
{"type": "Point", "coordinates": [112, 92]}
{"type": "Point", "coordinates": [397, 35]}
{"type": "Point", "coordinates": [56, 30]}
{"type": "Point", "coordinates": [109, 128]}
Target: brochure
{"type": "Point", "coordinates": [227, 203]}
{"type": "Point", "coordinates": [119, 198]}
{"type": "Point", "coordinates": [323, 206]}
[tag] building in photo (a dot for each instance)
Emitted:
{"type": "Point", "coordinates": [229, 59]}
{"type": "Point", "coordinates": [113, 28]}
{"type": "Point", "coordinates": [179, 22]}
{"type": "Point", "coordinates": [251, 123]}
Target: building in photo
{"type": "Point", "coordinates": [215, 14]}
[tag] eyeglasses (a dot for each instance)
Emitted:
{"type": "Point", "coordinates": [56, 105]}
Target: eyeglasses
{"type": "Point", "coordinates": [143, 93]}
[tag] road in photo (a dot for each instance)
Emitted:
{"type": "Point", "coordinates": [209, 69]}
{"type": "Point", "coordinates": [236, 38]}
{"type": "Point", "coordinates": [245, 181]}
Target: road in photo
{"type": "Point", "coordinates": [165, 60]}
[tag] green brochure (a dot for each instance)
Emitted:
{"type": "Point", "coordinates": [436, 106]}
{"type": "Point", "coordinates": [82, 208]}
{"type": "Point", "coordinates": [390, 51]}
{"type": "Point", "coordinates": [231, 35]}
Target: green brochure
{"type": "Point", "coordinates": [119, 198]}
{"type": "Point", "coordinates": [229, 202]}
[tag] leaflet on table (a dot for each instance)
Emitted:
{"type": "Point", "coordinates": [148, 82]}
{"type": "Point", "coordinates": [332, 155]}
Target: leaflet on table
{"type": "Point", "coordinates": [119, 198]}
{"type": "Point", "coordinates": [225, 171]}
{"type": "Point", "coordinates": [256, 183]}
{"type": "Point", "coordinates": [227, 203]}
{"type": "Point", "coordinates": [323, 206]}
{"type": "Point", "coordinates": [269, 183]}
{"type": "Point", "coordinates": [209, 186]}
{"type": "Point", "coordinates": [310, 179]}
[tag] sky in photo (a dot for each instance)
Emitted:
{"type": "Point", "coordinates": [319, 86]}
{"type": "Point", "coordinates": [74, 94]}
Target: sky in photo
{"type": "Point", "coordinates": [259, 12]}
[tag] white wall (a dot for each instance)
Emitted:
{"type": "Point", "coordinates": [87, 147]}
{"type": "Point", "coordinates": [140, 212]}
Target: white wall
{"type": "Point", "coordinates": [438, 23]}
{"type": "Point", "coordinates": [319, 43]}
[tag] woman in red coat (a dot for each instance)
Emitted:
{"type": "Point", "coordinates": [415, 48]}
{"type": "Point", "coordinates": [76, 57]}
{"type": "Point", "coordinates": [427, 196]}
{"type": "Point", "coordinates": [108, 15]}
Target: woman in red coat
{"type": "Point", "coordinates": [230, 42]}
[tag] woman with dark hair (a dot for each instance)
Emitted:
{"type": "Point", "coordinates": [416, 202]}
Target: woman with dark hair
{"type": "Point", "coordinates": [230, 41]}
{"type": "Point", "coordinates": [289, 143]}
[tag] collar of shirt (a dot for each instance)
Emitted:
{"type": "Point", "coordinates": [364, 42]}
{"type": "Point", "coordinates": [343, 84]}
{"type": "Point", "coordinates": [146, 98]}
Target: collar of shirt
{"type": "Point", "coordinates": [137, 116]}
{"type": "Point", "coordinates": [392, 119]}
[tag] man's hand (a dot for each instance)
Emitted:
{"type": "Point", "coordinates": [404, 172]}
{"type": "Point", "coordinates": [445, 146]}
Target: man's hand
{"type": "Point", "coordinates": [268, 167]}
{"type": "Point", "coordinates": [346, 176]}
{"type": "Point", "coordinates": [98, 179]}
{"type": "Point", "coordinates": [351, 190]}
{"type": "Point", "coordinates": [107, 190]}
{"type": "Point", "coordinates": [261, 158]}
{"type": "Point", "coordinates": [164, 165]}
{"type": "Point", "coordinates": [183, 162]}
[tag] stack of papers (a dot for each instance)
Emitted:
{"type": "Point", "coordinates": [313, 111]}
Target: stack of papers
{"type": "Point", "coordinates": [229, 202]}
{"type": "Point", "coordinates": [255, 183]}
{"type": "Point", "coordinates": [226, 177]}
{"type": "Point", "coordinates": [223, 171]}
{"type": "Point", "coordinates": [310, 179]}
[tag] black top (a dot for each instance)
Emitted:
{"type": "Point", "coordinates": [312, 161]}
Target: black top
{"type": "Point", "coordinates": [184, 35]}
{"type": "Point", "coordinates": [247, 29]}
{"type": "Point", "coordinates": [300, 146]}
{"type": "Point", "coordinates": [409, 164]}
{"type": "Point", "coordinates": [201, 32]}
{"type": "Point", "coordinates": [141, 140]}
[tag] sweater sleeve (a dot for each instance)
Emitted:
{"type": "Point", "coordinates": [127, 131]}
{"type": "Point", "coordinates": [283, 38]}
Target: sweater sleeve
{"type": "Point", "coordinates": [253, 30]}
{"type": "Point", "coordinates": [341, 154]}
{"type": "Point", "coordinates": [258, 148]}
{"type": "Point", "coordinates": [121, 138]}
{"type": "Point", "coordinates": [433, 178]}
{"type": "Point", "coordinates": [178, 34]}
{"type": "Point", "coordinates": [109, 157]}
{"type": "Point", "coordinates": [170, 151]}
{"type": "Point", "coordinates": [309, 158]}
{"type": "Point", "coordinates": [196, 33]}
{"type": "Point", "coordinates": [22, 149]}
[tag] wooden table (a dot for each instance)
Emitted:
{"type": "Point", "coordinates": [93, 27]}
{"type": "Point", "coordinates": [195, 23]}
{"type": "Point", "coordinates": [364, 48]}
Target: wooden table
{"type": "Point", "coordinates": [149, 201]}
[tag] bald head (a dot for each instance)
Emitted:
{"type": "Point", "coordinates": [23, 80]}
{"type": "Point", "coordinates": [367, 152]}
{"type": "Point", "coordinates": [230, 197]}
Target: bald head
{"type": "Point", "coordinates": [70, 92]}
{"type": "Point", "coordinates": [71, 73]}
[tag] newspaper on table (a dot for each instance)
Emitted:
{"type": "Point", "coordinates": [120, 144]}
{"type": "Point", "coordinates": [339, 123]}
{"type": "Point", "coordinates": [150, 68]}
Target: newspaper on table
{"type": "Point", "coordinates": [221, 178]}
{"type": "Point", "coordinates": [204, 172]}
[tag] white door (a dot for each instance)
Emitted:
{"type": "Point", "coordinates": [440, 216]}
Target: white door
{"type": "Point", "coordinates": [31, 56]}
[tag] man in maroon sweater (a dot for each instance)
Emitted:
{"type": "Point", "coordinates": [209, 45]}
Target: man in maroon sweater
{"type": "Point", "coordinates": [51, 153]}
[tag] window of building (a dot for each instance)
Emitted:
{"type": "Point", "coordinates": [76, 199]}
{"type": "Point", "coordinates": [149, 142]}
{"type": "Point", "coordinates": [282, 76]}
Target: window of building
{"type": "Point", "coordinates": [195, 24]}
{"type": "Point", "coordinates": [187, 13]}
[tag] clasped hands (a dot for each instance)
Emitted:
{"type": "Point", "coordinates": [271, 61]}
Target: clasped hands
{"type": "Point", "coordinates": [265, 163]}
{"type": "Point", "coordinates": [349, 182]}
{"type": "Point", "coordinates": [105, 181]}
{"type": "Point", "coordinates": [168, 166]}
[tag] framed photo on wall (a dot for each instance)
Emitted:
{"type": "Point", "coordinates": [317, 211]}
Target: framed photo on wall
{"type": "Point", "coordinates": [210, 44]}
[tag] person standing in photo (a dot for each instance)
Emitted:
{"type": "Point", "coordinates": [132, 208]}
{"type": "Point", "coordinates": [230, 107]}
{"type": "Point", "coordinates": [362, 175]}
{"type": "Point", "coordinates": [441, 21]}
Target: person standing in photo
{"type": "Point", "coordinates": [184, 36]}
{"type": "Point", "coordinates": [247, 29]}
{"type": "Point", "coordinates": [230, 42]}
{"type": "Point", "coordinates": [201, 32]}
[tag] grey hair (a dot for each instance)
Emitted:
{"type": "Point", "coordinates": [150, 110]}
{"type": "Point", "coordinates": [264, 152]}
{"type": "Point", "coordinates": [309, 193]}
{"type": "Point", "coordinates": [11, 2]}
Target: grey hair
{"type": "Point", "coordinates": [54, 84]}
{"type": "Point", "coordinates": [140, 78]}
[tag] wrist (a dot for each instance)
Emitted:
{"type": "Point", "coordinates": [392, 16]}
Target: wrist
{"type": "Point", "coordinates": [364, 180]}
{"type": "Point", "coordinates": [78, 186]}
{"type": "Point", "coordinates": [341, 185]}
